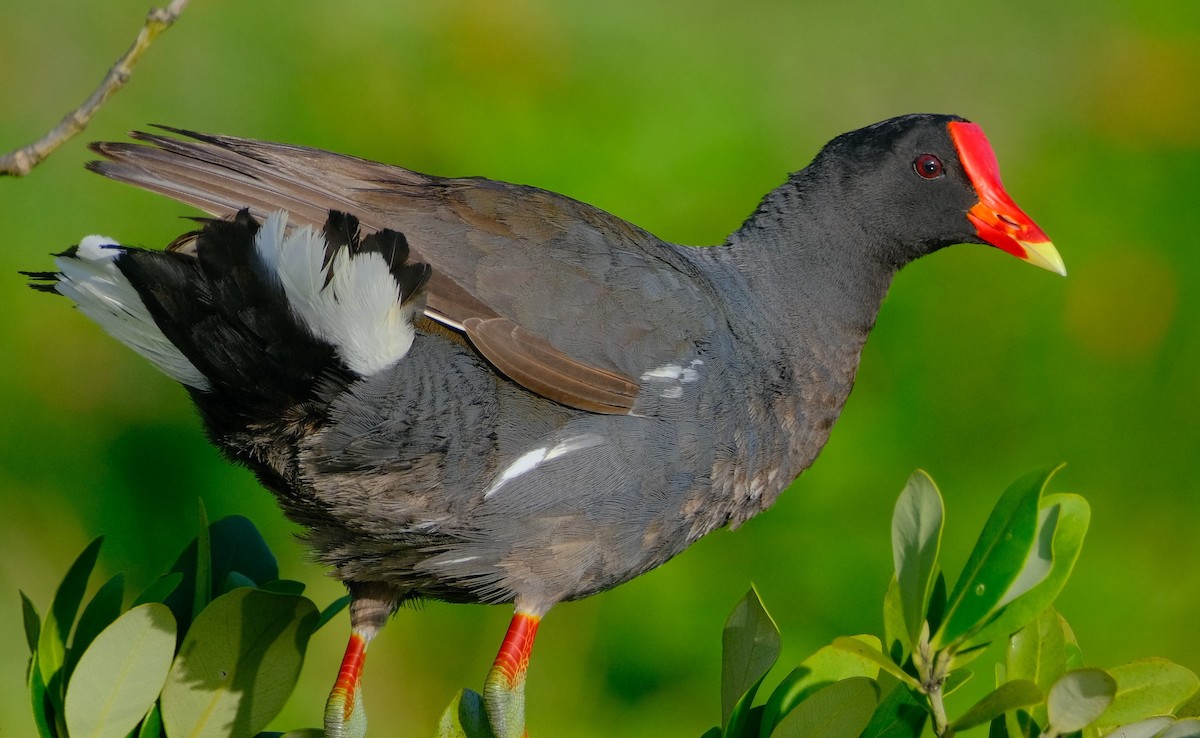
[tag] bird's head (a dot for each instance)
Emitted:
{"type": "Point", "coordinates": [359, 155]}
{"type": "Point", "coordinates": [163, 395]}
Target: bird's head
{"type": "Point", "coordinates": [922, 182]}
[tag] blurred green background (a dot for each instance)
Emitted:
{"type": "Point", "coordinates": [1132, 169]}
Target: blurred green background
{"type": "Point", "coordinates": [678, 115]}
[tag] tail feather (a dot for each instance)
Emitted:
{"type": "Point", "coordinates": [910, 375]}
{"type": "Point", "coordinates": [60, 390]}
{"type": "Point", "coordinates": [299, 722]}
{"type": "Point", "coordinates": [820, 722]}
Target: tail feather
{"type": "Point", "coordinates": [90, 275]}
{"type": "Point", "coordinates": [230, 319]}
{"type": "Point", "coordinates": [252, 317]}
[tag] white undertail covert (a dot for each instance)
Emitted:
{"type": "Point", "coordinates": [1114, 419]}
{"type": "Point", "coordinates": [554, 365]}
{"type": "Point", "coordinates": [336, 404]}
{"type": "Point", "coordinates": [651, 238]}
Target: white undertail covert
{"type": "Point", "coordinates": [359, 309]}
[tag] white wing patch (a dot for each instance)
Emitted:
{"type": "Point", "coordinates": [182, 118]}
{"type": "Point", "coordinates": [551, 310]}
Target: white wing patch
{"type": "Point", "coordinates": [91, 279]}
{"type": "Point", "coordinates": [359, 311]}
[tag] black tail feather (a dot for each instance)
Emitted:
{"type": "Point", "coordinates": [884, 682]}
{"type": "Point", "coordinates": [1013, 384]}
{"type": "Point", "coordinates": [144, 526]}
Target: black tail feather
{"type": "Point", "coordinates": [393, 247]}
{"type": "Point", "coordinates": [220, 303]}
{"type": "Point", "coordinates": [230, 319]}
{"type": "Point", "coordinates": [41, 281]}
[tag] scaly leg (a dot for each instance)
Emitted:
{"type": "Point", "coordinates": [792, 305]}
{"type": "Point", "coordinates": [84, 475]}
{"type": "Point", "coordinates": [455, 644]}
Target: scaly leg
{"type": "Point", "coordinates": [345, 715]}
{"type": "Point", "coordinates": [504, 688]}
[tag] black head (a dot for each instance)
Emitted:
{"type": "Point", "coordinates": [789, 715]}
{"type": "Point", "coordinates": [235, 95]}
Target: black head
{"type": "Point", "coordinates": [920, 182]}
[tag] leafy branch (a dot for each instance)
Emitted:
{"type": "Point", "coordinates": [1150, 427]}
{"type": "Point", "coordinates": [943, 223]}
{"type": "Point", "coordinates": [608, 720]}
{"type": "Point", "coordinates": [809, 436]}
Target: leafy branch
{"type": "Point", "coordinates": [892, 688]}
{"type": "Point", "coordinates": [213, 647]}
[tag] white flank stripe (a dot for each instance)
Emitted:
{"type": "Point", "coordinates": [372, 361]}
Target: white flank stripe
{"type": "Point", "coordinates": [359, 311]}
{"type": "Point", "coordinates": [453, 562]}
{"type": "Point", "coordinates": [574, 443]}
{"type": "Point", "coordinates": [526, 462]}
{"type": "Point", "coordinates": [531, 460]}
{"type": "Point", "coordinates": [91, 278]}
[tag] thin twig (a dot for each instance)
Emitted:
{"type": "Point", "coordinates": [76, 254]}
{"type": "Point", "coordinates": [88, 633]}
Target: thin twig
{"type": "Point", "coordinates": [23, 160]}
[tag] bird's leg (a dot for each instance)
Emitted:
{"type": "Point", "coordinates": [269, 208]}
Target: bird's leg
{"type": "Point", "coordinates": [370, 606]}
{"type": "Point", "coordinates": [504, 688]}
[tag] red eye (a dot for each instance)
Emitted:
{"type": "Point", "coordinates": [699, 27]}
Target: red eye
{"type": "Point", "coordinates": [928, 166]}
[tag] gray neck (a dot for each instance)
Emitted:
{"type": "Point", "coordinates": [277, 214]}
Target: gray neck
{"type": "Point", "coordinates": [817, 265]}
{"type": "Point", "coordinates": [807, 286]}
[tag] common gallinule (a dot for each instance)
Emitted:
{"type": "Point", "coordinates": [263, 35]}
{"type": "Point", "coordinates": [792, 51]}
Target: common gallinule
{"type": "Point", "coordinates": [483, 392]}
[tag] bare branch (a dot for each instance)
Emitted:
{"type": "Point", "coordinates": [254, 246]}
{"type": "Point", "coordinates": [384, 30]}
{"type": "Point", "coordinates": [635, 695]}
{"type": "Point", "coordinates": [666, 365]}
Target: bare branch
{"type": "Point", "coordinates": [20, 162]}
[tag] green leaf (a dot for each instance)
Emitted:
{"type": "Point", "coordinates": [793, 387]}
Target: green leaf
{"type": "Point", "coordinates": [237, 664]}
{"type": "Point", "coordinates": [916, 540]}
{"type": "Point", "coordinates": [841, 710]}
{"type": "Point", "coordinates": [1189, 728]}
{"type": "Point", "coordinates": [33, 622]}
{"type": "Point", "coordinates": [749, 647]}
{"type": "Point", "coordinates": [235, 545]}
{"type": "Point", "coordinates": [1008, 696]}
{"type": "Point", "coordinates": [332, 610]}
{"type": "Point", "coordinates": [899, 715]}
{"type": "Point", "coordinates": [1188, 708]}
{"type": "Point", "coordinates": [151, 726]}
{"type": "Point", "coordinates": [1147, 728]}
{"type": "Point", "coordinates": [465, 718]}
{"type": "Point", "coordinates": [1146, 688]}
{"type": "Point", "coordinates": [39, 701]}
{"type": "Point", "coordinates": [1077, 699]}
{"type": "Point", "coordinates": [99, 613]}
{"type": "Point", "coordinates": [827, 665]}
{"type": "Point", "coordinates": [52, 640]}
{"type": "Point", "coordinates": [1037, 652]}
{"type": "Point", "coordinates": [284, 586]}
{"type": "Point", "coordinates": [202, 592]}
{"type": "Point", "coordinates": [862, 650]}
{"type": "Point", "coordinates": [1020, 724]}
{"type": "Point", "coordinates": [937, 602]}
{"type": "Point", "coordinates": [238, 546]}
{"type": "Point", "coordinates": [235, 579]}
{"type": "Point", "coordinates": [713, 732]}
{"type": "Point", "coordinates": [1074, 653]}
{"type": "Point", "coordinates": [752, 723]}
{"type": "Point", "coordinates": [1070, 515]}
{"type": "Point", "coordinates": [996, 561]}
{"type": "Point", "coordinates": [161, 589]}
{"type": "Point", "coordinates": [895, 632]}
{"type": "Point", "coordinates": [1040, 558]}
{"type": "Point", "coordinates": [118, 679]}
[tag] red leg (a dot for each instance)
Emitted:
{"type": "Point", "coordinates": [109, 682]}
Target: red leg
{"type": "Point", "coordinates": [345, 715]}
{"type": "Point", "coordinates": [342, 720]}
{"type": "Point", "coordinates": [504, 688]}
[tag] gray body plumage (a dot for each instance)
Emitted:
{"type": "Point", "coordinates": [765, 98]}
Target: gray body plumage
{"type": "Point", "coordinates": [483, 392]}
{"type": "Point", "coordinates": [699, 382]}
{"type": "Point", "coordinates": [408, 470]}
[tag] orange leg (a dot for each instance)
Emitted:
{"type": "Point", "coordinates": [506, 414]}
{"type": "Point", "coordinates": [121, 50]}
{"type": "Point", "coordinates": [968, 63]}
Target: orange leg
{"type": "Point", "coordinates": [504, 688]}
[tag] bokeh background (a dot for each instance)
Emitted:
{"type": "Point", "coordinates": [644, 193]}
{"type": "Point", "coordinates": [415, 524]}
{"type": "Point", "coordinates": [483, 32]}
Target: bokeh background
{"type": "Point", "coordinates": [678, 115]}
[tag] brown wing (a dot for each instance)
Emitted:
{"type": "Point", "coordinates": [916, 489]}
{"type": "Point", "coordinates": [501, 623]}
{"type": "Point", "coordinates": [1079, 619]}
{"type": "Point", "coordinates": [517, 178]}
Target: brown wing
{"type": "Point", "coordinates": [567, 300]}
{"type": "Point", "coordinates": [535, 364]}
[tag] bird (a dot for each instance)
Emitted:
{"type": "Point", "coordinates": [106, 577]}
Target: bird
{"type": "Point", "coordinates": [482, 392]}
